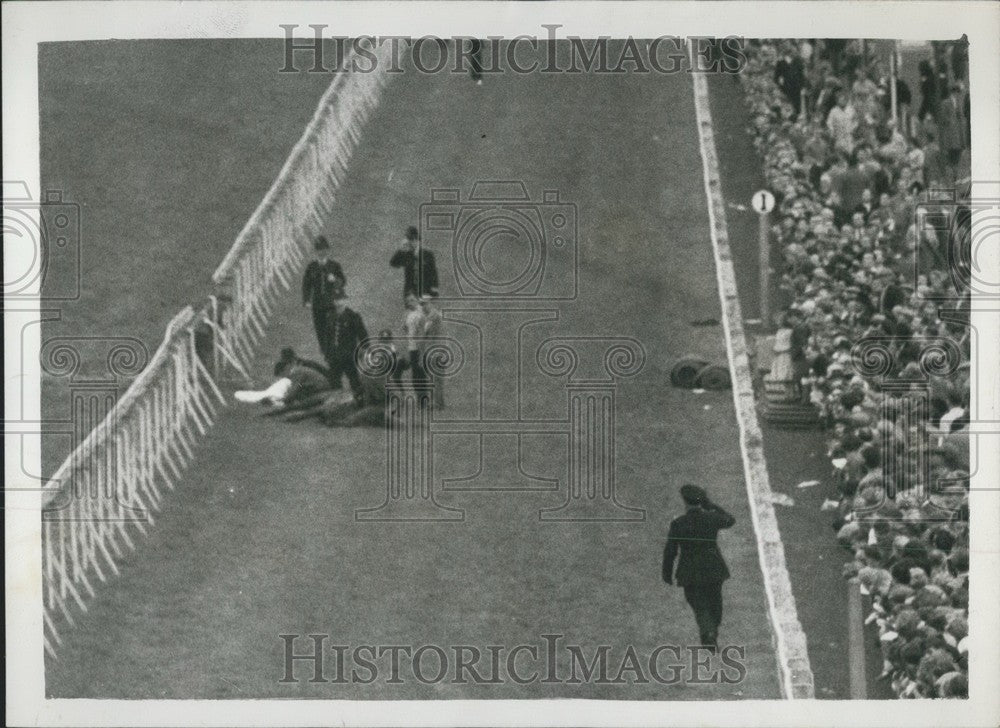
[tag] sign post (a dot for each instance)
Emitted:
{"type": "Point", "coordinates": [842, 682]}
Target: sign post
{"type": "Point", "coordinates": [893, 72]}
{"type": "Point", "coordinates": [856, 641]}
{"type": "Point", "coordinates": [763, 202]}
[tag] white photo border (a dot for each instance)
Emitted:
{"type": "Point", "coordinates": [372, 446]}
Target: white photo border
{"type": "Point", "coordinates": [27, 24]}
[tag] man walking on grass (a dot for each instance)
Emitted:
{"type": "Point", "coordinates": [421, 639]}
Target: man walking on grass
{"type": "Point", "coordinates": [701, 568]}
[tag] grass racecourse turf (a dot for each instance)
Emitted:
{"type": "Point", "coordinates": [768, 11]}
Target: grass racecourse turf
{"type": "Point", "coordinates": [260, 538]}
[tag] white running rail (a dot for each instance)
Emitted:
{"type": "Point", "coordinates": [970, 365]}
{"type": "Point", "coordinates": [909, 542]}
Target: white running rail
{"type": "Point", "coordinates": [115, 479]}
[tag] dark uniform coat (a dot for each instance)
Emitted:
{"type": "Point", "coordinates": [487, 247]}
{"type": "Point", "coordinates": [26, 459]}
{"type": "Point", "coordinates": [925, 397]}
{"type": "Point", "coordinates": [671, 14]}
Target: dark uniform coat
{"type": "Point", "coordinates": [694, 536]}
{"type": "Point", "coordinates": [322, 283]}
{"type": "Point", "coordinates": [420, 274]}
{"type": "Point", "coordinates": [345, 331]}
{"type": "Point", "coordinates": [951, 125]}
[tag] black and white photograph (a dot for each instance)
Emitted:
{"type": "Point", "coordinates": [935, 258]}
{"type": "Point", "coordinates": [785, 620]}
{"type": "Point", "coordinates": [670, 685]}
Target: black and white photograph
{"type": "Point", "coordinates": [502, 363]}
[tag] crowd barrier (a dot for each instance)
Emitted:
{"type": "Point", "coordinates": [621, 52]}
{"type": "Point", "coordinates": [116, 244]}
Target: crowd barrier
{"type": "Point", "coordinates": [110, 486]}
{"type": "Point", "coordinates": [115, 480]}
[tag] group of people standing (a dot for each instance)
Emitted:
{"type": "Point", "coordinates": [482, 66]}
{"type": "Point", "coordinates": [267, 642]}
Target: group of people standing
{"type": "Point", "coordinates": [340, 331]}
{"type": "Point", "coordinates": [848, 84]}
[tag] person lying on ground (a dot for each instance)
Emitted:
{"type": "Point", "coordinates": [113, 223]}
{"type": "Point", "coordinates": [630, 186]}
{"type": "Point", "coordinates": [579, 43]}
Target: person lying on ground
{"type": "Point", "coordinates": [297, 383]}
{"type": "Point", "coordinates": [288, 356]}
{"type": "Point", "coordinates": [340, 408]}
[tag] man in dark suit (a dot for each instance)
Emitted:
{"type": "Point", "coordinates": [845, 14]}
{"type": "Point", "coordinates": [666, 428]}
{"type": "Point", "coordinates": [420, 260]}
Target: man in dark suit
{"type": "Point", "coordinates": [345, 333]}
{"type": "Point", "coordinates": [419, 269]}
{"type": "Point", "coordinates": [323, 281]}
{"type": "Point", "coordinates": [790, 75]}
{"type": "Point", "coordinates": [951, 129]}
{"type": "Point", "coordinates": [701, 569]}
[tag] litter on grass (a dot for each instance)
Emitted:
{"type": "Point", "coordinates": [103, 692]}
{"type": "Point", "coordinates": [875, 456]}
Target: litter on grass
{"type": "Point", "coordinates": [780, 499]}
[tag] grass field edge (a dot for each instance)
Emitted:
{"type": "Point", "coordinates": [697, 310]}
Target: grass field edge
{"type": "Point", "coordinates": [795, 672]}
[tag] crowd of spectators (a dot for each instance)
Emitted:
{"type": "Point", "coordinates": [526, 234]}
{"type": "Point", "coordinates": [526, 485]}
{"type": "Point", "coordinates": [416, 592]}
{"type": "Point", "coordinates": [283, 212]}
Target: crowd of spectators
{"type": "Point", "coordinates": [866, 222]}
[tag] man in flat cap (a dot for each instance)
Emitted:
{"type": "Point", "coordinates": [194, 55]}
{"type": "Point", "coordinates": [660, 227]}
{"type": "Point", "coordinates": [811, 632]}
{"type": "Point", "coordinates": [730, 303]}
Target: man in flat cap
{"type": "Point", "coordinates": [322, 283]}
{"type": "Point", "coordinates": [701, 568]}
